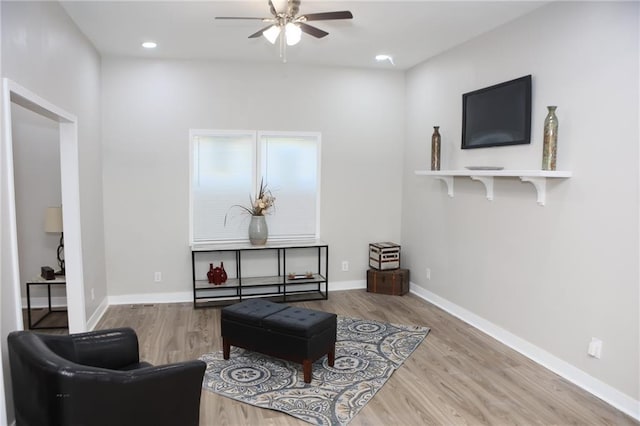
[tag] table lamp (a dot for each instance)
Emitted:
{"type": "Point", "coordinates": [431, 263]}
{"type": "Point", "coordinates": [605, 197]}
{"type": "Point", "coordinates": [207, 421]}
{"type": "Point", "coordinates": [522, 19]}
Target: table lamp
{"type": "Point", "coordinates": [53, 225]}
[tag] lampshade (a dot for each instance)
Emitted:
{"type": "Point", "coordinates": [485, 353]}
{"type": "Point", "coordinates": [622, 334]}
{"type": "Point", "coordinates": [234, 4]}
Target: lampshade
{"type": "Point", "coordinates": [293, 33]}
{"type": "Point", "coordinates": [272, 33]}
{"type": "Point", "coordinates": [53, 220]}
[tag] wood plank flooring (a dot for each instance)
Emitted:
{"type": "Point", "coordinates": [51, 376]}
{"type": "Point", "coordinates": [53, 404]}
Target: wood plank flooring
{"type": "Point", "coordinates": [457, 376]}
{"type": "Point", "coordinates": [53, 319]}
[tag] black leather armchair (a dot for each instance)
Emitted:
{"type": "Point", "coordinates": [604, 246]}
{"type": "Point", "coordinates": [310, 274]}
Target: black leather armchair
{"type": "Point", "coordinates": [96, 378]}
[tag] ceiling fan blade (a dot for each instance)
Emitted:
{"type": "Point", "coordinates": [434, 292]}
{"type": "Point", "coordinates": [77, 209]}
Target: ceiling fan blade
{"type": "Point", "coordinates": [241, 17]}
{"type": "Point", "coordinates": [259, 33]}
{"type": "Point", "coordinates": [316, 32]}
{"type": "Point", "coordinates": [325, 16]}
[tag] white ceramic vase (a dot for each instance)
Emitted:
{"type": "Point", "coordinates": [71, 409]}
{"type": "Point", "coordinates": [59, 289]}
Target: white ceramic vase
{"type": "Point", "coordinates": [258, 231]}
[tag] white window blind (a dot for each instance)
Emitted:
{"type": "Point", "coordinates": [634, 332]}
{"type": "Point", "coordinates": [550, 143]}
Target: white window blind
{"type": "Point", "coordinates": [223, 174]}
{"type": "Point", "coordinates": [290, 166]}
{"type": "Point", "coordinates": [226, 169]}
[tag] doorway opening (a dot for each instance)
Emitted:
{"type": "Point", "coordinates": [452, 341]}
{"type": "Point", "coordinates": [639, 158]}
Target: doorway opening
{"type": "Point", "coordinates": [70, 197]}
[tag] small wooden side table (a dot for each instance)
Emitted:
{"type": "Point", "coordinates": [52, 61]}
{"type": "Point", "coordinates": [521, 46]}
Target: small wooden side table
{"type": "Point", "coordinates": [39, 281]}
{"type": "Point", "coordinates": [393, 281]}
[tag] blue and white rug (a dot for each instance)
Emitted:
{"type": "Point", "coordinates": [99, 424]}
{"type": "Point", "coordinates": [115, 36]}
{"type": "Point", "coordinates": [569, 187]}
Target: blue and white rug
{"type": "Point", "coordinates": [367, 354]}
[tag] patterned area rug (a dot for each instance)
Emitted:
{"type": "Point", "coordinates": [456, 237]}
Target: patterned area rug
{"type": "Point", "coordinates": [367, 353]}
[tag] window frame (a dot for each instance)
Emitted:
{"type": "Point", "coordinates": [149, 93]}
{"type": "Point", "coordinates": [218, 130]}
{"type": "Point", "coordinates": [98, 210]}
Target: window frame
{"type": "Point", "coordinates": [258, 171]}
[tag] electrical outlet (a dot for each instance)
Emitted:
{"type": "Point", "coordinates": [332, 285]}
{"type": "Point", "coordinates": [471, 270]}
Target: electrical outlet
{"type": "Point", "coordinates": [428, 270]}
{"type": "Point", "coordinates": [345, 265]}
{"type": "Point", "coordinates": [595, 348]}
{"type": "Point", "coordinates": [157, 277]}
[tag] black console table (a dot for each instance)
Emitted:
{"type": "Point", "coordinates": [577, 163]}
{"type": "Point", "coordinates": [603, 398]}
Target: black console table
{"type": "Point", "coordinates": [280, 272]}
{"type": "Point", "coordinates": [60, 280]}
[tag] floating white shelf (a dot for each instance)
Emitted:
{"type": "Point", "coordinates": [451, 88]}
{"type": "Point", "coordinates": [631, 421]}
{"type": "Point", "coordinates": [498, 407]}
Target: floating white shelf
{"type": "Point", "coordinates": [538, 178]}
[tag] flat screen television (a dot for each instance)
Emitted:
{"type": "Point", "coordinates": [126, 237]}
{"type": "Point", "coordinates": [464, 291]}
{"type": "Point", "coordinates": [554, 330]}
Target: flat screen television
{"type": "Point", "coordinates": [497, 115]}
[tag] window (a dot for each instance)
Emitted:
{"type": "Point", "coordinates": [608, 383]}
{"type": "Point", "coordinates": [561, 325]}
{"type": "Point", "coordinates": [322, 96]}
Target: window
{"type": "Point", "coordinates": [226, 169]}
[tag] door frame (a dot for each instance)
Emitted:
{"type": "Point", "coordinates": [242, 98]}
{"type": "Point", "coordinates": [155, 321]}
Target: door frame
{"type": "Point", "coordinates": [70, 191]}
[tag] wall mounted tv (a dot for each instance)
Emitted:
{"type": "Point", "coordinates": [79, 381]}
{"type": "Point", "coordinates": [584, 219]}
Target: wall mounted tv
{"type": "Point", "coordinates": [497, 115]}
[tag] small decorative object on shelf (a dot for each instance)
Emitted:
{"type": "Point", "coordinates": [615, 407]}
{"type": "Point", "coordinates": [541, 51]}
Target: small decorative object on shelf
{"type": "Point", "coordinates": [550, 144]}
{"type": "Point", "coordinates": [47, 273]}
{"type": "Point", "coordinates": [435, 148]}
{"type": "Point", "coordinates": [293, 276]}
{"type": "Point", "coordinates": [210, 273]}
{"type": "Point", "coordinates": [223, 273]}
{"type": "Point", "coordinates": [258, 231]}
{"type": "Point", "coordinates": [217, 275]}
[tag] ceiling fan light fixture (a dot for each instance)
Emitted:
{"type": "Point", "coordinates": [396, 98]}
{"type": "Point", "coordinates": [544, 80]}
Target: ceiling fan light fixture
{"type": "Point", "coordinates": [272, 33]}
{"type": "Point", "coordinates": [293, 34]}
{"type": "Point", "coordinates": [286, 25]}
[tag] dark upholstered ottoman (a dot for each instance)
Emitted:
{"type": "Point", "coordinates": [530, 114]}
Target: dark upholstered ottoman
{"type": "Point", "coordinates": [295, 334]}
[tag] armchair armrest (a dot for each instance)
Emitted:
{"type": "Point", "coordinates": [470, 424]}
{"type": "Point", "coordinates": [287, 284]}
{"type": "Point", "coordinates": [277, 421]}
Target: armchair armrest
{"type": "Point", "coordinates": [112, 349]}
{"type": "Point", "coordinates": [158, 395]}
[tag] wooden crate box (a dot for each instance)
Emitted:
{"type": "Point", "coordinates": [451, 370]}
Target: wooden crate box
{"type": "Point", "coordinates": [384, 256]}
{"type": "Point", "coordinates": [394, 282]}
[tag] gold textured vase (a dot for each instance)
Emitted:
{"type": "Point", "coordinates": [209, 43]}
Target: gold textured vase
{"type": "Point", "coordinates": [550, 143]}
{"type": "Point", "coordinates": [436, 141]}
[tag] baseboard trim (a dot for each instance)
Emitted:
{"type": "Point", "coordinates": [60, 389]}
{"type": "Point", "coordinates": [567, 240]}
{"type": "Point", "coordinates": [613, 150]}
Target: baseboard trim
{"type": "Point", "coordinates": [347, 285]}
{"type": "Point", "coordinates": [141, 298]}
{"type": "Point", "coordinates": [43, 302]}
{"type": "Point", "coordinates": [97, 315]}
{"type": "Point", "coordinates": [607, 393]}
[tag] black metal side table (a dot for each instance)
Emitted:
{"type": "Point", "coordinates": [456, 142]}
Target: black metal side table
{"type": "Point", "coordinates": [39, 281]}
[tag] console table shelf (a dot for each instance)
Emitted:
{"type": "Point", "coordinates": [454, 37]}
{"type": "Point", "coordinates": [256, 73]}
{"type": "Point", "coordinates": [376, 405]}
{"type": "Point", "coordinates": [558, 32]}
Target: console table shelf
{"type": "Point", "coordinates": [241, 285]}
{"type": "Point", "coordinates": [538, 178]}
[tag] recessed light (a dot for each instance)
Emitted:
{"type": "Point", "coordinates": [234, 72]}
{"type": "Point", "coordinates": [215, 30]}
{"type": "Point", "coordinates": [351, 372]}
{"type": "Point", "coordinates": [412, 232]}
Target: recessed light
{"type": "Point", "coordinates": [149, 44]}
{"type": "Point", "coordinates": [382, 58]}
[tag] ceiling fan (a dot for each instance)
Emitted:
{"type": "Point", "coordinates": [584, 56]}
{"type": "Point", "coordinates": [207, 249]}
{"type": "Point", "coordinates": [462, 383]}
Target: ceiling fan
{"type": "Point", "coordinates": [285, 17]}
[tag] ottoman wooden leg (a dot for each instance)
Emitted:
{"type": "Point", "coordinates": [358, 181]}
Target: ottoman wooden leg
{"type": "Point", "coordinates": [331, 356]}
{"type": "Point", "coordinates": [306, 369]}
{"type": "Point", "coordinates": [226, 348]}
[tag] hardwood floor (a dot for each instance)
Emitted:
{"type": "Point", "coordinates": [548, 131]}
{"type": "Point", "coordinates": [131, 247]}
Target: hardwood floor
{"type": "Point", "coordinates": [42, 318]}
{"type": "Point", "coordinates": [457, 376]}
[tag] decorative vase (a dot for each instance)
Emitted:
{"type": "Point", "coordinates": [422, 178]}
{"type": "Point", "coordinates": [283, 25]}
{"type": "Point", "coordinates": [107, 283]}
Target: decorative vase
{"type": "Point", "coordinates": [258, 231]}
{"type": "Point", "coordinates": [435, 148]}
{"type": "Point", "coordinates": [550, 144]}
{"type": "Point", "coordinates": [210, 273]}
{"type": "Point", "coordinates": [223, 273]}
{"type": "Point", "coordinates": [217, 276]}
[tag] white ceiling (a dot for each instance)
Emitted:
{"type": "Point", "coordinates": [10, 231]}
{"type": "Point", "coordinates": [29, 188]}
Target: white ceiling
{"type": "Point", "coordinates": [410, 31]}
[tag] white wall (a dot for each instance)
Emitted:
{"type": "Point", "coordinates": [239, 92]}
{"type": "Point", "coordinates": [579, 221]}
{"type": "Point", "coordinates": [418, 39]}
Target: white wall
{"type": "Point", "coordinates": [43, 51]}
{"type": "Point", "coordinates": [149, 107]}
{"type": "Point", "coordinates": [555, 275]}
